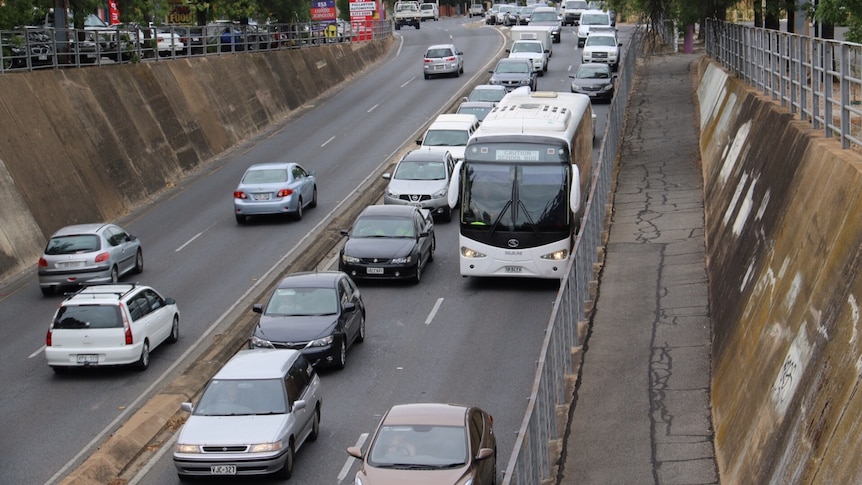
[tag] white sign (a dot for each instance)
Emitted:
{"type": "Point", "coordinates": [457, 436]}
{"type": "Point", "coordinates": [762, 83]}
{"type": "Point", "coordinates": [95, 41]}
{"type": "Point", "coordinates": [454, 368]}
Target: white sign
{"type": "Point", "coordinates": [361, 7]}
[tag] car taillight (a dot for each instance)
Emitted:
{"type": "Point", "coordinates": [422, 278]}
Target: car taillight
{"type": "Point", "coordinates": [101, 258]}
{"type": "Point", "coordinates": [450, 59]}
{"type": "Point", "coordinates": [428, 61]}
{"type": "Point", "coordinates": [130, 339]}
{"type": "Point", "coordinates": [239, 195]}
{"type": "Point", "coordinates": [284, 192]}
{"type": "Point", "coordinates": [43, 263]}
{"type": "Point", "coordinates": [48, 338]}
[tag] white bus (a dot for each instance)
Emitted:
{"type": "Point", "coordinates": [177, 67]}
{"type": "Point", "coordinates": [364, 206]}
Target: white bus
{"type": "Point", "coordinates": [523, 185]}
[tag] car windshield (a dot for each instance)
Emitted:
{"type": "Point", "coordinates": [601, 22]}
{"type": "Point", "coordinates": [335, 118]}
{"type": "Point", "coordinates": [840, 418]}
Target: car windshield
{"type": "Point", "coordinates": [593, 72]}
{"type": "Point", "coordinates": [426, 6]}
{"type": "Point", "coordinates": [438, 53]}
{"type": "Point", "coordinates": [446, 138]}
{"type": "Point", "coordinates": [543, 17]}
{"type": "Point", "coordinates": [425, 445]}
{"type": "Point", "coordinates": [595, 19]}
{"type": "Point", "coordinates": [88, 316]}
{"type": "Point", "coordinates": [383, 227]}
{"type": "Point", "coordinates": [576, 4]}
{"type": "Point", "coordinates": [480, 113]}
{"type": "Point", "coordinates": [420, 171]}
{"type": "Point", "coordinates": [291, 302]}
{"type": "Point", "coordinates": [228, 397]}
{"type": "Point", "coordinates": [527, 47]}
{"type": "Point", "coordinates": [492, 95]}
{"type": "Point", "coordinates": [265, 176]}
{"type": "Point", "coordinates": [513, 67]}
{"type": "Point", "coordinates": [601, 40]}
{"type": "Point", "coordinates": [83, 243]}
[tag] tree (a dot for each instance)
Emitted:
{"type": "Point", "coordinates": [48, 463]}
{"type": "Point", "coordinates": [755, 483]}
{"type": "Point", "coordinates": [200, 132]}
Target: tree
{"type": "Point", "coordinates": [840, 12]}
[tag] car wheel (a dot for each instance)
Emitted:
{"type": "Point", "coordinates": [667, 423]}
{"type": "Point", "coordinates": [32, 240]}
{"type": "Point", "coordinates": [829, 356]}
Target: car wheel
{"type": "Point", "coordinates": [313, 203]}
{"type": "Point", "coordinates": [144, 361]}
{"type": "Point", "coordinates": [240, 219]}
{"type": "Point", "coordinates": [47, 290]}
{"type": "Point", "coordinates": [361, 337]}
{"type": "Point", "coordinates": [433, 248]}
{"type": "Point", "coordinates": [175, 331]}
{"type": "Point", "coordinates": [287, 470]}
{"type": "Point", "coordinates": [417, 25]}
{"type": "Point", "coordinates": [186, 478]}
{"type": "Point", "coordinates": [139, 262]}
{"type": "Point", "coordinates": [418, 276]}
{"type": "Point", "coordinates": [447, 215]}
{"type": "Point", "coordinates": [315, 426]}
{"type": "Point", "coordinates": [59, 369]}
{"type": "Point", "coordinates": [461, 69]}
{"type": "Point", "coordinates": [342, 354]}
{"type": "Point", "coordinates": [115, 275]}
{"type": "Point", "coordinates": [298, 213]}
{"type": "Point", "coordinates": [427, 76]}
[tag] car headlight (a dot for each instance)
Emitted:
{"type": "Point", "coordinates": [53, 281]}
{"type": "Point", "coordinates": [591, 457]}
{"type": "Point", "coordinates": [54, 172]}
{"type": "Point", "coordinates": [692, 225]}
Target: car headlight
{"type": "Point", "coordinates": [440, 193]}
{"type": "Point", "coordinates": [556, 255]}
{"type": "Point", "coordinates": [321, 342]}
{"type": "Point", "coordinates": [576, 88]}
{"type": "Point", "coordinates": [181, 448]}
{"type": "Point", "coordinates": [471, 253]}
{"type": "Point", "coordinates": [406, 260]}
{"type": "Point", "coordinates": [256, 342]}
{"type": "Point", "coordinates": [264, 447]}
{"type": "Point", "coordinates": [493, 80]}
{"type": "Point", "coordinates": [349, 259]}
{"type": "Point", "coordinates": [357, 481]}
{"type": "Point", "coordinates": [389, 193]}
{"type": "Point", "coordinates": [525, 81]}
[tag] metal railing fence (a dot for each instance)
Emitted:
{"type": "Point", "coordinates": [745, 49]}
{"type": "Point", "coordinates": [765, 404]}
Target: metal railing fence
{"type": "Point", "coordinates": [817, 79]}
{"type": "Point", "coordinates": [34, 48]}
{"type": "Point", "coordinates": [531, 459]}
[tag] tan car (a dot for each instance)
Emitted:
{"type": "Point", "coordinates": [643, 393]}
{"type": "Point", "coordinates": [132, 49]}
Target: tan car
{"type": "Point", "coordinates": [430, 444]}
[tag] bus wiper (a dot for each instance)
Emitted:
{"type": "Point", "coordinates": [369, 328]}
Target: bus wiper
{"type": "Point", "coordinates": [499, 218]}
{"type": "Point", "coordinates": [529, 219]}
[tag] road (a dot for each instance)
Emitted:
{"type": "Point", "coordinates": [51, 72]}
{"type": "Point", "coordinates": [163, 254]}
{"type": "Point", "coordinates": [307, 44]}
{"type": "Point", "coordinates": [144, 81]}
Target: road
{"type": "Point", "coordinates": [480, 346]}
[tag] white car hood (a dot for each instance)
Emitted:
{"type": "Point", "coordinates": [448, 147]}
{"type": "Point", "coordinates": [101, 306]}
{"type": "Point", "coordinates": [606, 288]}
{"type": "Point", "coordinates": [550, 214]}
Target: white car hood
{"type": "Point", "coordinates": [421, 187]}
{"type": "Point", "coordinates": [232, 430]}
{"type": "Point", "coordinates": [457, 152]}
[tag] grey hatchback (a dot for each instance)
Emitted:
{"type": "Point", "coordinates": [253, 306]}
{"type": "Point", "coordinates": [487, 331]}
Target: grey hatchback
{"type": "Point", "coordinates": [514, 73]}
{"type": "Point", "coordinates": [442, 59]}
{"type": "Point", "coordinates": [86, 254]}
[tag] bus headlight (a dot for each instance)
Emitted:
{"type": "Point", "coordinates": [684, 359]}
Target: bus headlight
{"type": "Point", "coordinates": [556, 255]}
{"type": "Point", "coordinates": [469, 253]}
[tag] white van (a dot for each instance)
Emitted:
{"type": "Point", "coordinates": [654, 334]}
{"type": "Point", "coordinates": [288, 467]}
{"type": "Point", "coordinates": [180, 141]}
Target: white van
{"type": "Point", "coordinates": [449, 132]}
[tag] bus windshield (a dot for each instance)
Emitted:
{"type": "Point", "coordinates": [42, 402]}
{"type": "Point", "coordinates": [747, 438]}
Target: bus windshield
{"type": "Point", "coordinates": [516, 197]}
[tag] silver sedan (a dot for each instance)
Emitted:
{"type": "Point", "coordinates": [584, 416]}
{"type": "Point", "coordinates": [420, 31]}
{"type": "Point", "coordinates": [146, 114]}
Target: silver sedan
{"type": "Point", "coordinates": [443, 59]}
{"type": "Point", "coordinates": [274, 188]}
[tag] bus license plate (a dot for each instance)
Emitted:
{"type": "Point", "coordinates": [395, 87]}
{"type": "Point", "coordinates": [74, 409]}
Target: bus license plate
{"type": "Point", "coordinates": [514, 269]}
{"type": "Point", "coordinates": [223, 469]}
{"type": "Point", "coordinates": [88, 359]}
{"type": "Point", "coordinates": [374, 270]}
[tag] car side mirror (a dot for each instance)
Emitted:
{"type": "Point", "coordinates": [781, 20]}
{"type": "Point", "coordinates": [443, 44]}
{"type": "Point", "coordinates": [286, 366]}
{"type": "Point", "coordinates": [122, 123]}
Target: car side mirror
{"type": "Point", "coordinates": [465, 99]}
{"type": "Point", "coordinates": [349, 307]}
{"type": "Point", "coordinates": [257, 308]}
{"type": "Point", "coordinates": [387, 175]}
{"type": "Point", "coordinates": [299, 405]}
{"type": "Point", "coordinates": [170, 301]}
{"type": "Point", "coordinates": [424, 234]}
{"type": "Point", "coordinates": [572, 76]}
{"type": "Point", "coordinates": [484, 453]}
{"type": "Point", "coordinates": [187, 407]}
{"type": "Point", "coordinates": [344, 232]}
{"type": "Point", "coordinates": [419, 142]}
{"type": "Point", "coordinates": [355, 452]}
{"type": "Point", "coordinates": [508, 51]}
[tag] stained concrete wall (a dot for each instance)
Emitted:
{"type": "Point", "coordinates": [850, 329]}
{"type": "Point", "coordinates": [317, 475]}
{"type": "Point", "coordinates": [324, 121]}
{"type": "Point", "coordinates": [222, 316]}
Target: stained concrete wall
{"type": "Point", "coordinates": [84, 145]}
{"type": "Point", "coordinates": [784, 233]}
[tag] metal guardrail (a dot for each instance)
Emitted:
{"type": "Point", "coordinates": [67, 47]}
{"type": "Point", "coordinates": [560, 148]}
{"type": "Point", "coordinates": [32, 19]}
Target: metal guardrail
{"type": "Point", "coordinates": [34, 48]}
{"type": "Point", "coordinates": [817, 79]}
{"type": "Point", "coordinates": [531, 460]}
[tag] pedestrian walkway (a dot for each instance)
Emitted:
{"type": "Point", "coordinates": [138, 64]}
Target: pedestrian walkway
{"type": "Point", "coordinates": [642, 409]}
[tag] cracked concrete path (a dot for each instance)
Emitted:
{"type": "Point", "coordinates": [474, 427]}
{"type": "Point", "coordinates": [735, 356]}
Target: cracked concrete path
{"type": "Point", "coordinates": [642, 410]}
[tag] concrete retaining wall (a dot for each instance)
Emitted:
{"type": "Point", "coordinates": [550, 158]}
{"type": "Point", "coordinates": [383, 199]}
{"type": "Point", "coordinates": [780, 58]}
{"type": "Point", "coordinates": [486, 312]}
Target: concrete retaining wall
{"type": "Point", "coordinates": [84, 145]}
{"type": "Point", "coordinates": [784, 233]}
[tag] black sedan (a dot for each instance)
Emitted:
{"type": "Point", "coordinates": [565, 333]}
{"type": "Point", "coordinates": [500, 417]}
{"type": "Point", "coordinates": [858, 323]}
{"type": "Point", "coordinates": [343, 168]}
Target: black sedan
{"type": "Point", "coordinates": [389, 242]}
{"type": "Point", "coordinates": [595, 80]}
{"type": "Point", "coordinates": [321, 314]}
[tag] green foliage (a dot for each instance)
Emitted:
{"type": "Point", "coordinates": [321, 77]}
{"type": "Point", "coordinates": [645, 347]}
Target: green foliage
{"type": "Point", "coordinates": [842, 12]}
{"type": "Point", "coordinates": [15, 13]}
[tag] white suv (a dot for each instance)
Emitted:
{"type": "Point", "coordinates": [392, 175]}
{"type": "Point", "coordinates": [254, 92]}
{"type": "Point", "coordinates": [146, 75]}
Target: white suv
{"type": "Point", "coordinates": [602, 46]}
{"type": "Point", "coordinates": [110, 325]}
{"type": "Point", "coordinates": [590, 20]}
{"type": "Point", "coordinates": [449, 132]}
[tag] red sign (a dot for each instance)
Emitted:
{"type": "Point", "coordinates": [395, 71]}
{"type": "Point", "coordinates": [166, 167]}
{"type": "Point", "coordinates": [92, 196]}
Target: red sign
{"type": "Point", "coordinates": [113, 12]}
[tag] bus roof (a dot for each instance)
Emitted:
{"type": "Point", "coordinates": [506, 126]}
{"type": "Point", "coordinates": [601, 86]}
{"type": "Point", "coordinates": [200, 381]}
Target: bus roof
{"type": "Point", "coordinates": [536, 113]}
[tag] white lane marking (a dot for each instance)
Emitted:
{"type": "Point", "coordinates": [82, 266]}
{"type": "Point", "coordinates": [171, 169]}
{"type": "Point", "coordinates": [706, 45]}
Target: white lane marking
{"type": "Point", "coordinates": [434, 311]}
{"type": "Point", "coordinates": [347, 465]}
{"type": "Point", "coordinates": [192, 239]}
{"type": "Point", "coordinates": [408, 81]}
{"type": "Point", "coordinates": [372, 108]}
{"type": "Point", "coordinates": [34, 354]}
{"type": "Point", "coordinates": [157, 458]}
{"type": "Point", "coordinates": [327, 141]}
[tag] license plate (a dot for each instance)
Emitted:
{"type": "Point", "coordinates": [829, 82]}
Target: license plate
{"type": "Point", "coordinates": [514, 269]}
{"type": "Point", "coordinates": [70, 264]}
{"type": "Point", "coordinates": [261, 196]}
{"type": "Point", "coordinates": [439, 67]}
{"type": "Point", "coordinates": [43, 57]}
{"type": "Point", "coordinates": [374, 270]}
{"type": "Point", "coordinates": [88, 359]}
{"type": "Point", "coordinates": [223, 469]}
